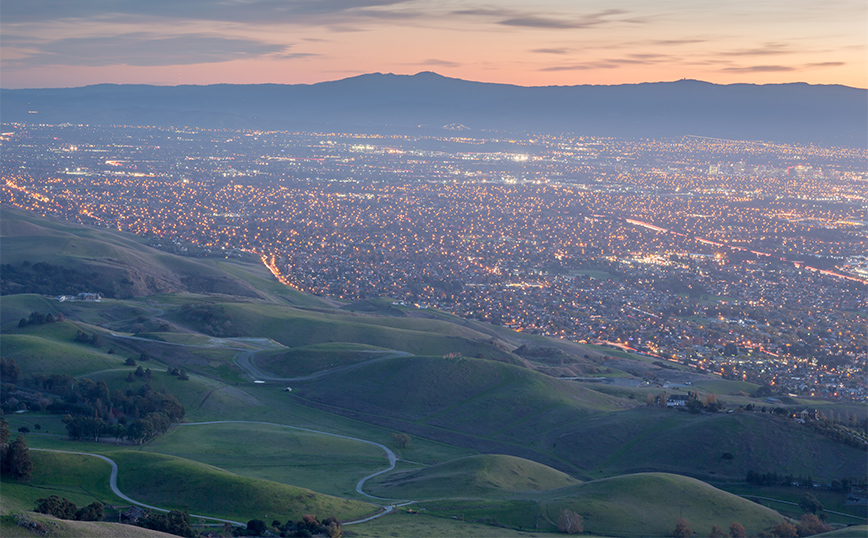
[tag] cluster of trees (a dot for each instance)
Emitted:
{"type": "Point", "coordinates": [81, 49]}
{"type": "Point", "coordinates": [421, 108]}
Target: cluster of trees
{"type": "Point", "coordinates": [92, 411]}
{"type": "Point", "coordinates": [9, 370]}
{"type": "Point", "coordinates": [15, 456]}
{"type": "Point", "coordinates": [808, 525]}
{"type": "Point", "coordinates": [38, 318]}
{"type": "Point", "coordinates": [212, 318]}
{"type": "Point", "coordinates": [840, 433]}
{"type": "Point", "coordinates": [683, 530]}
{"type": "Point", "coordinates": [307, 526]}
{"type": "Point", "coordinates": [774, 479]}
{"type": "Point", "coordinates": [174, 522]}
{"type": "Point", "coordinates": [83, 338]}
{"type": "Point", "coordinates": [48, 279]}
{"type": "Point", "coordinates": [63, 508]}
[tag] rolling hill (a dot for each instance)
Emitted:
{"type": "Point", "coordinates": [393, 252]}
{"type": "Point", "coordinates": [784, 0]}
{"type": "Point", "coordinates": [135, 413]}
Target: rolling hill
{"type": "Point", "coordinates": [492, 436]}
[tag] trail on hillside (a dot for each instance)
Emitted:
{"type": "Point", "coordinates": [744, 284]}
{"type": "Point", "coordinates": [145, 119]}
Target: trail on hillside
{"type": "Point", "coordinates": [113, 483]}
{"type": "Point", "coordinates": [245, 362]}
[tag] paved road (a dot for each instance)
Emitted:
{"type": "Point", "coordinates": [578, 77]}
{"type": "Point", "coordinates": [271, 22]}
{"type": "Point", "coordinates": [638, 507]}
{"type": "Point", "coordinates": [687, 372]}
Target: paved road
{"type": "Point", "coordinates": [113, 483]}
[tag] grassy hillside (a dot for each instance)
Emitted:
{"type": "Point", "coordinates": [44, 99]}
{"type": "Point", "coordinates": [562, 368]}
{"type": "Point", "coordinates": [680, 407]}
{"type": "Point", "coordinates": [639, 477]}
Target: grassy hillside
{"type": "Point", "coordinates": [62, 258]}
{"type": "Point", "coordinates": [306, 360]}
{"type": "Point", "coordinates": [475, 396]}
{"type": "Point", "coordinates": [652, 502]}
{"type": "Point", "coordinates": [645, 439]}
{"type": "Point", "coordinates": [474, 476]}
{"type": "Point", "coordinates": [62, 528]}
{"type": "Point", "coordinates": [294, 327]}
{"type": "Point", "coordinates": [320, 462]}
{"type": "Point", "coordinates": [81, 479]}
{"type": "Point", "coordinates": [177, 483]}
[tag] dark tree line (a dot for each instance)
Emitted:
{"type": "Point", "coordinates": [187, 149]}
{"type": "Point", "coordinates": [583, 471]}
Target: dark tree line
{"type": "Point", "coordinates": [38, 318]}
{"type": "Point", "coordinates": [63, 508]}
{"type": "Point", "coordinates": [175, 522]}
{"type": "Point", "coordinates": [48, 279]}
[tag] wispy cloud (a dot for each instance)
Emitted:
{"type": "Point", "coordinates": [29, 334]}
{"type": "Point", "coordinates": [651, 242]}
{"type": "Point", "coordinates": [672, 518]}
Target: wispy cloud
{"type": "Point", "coordinates": [142, 49]}
{"type": "Point", "coordinates": [522, 19]}
{"type": "Point", "coordinates": [270, 11]}
{"type": "Point", "coordinates": [768, 49]}
{"type": "Point", "coordinates": [550, 51]}
{"type": "Point", "coordinates": [435, 61]}
{"type": "Point", "coordinates": [826, 64]}
{"type": "Point", "coordinates": [759, 69]}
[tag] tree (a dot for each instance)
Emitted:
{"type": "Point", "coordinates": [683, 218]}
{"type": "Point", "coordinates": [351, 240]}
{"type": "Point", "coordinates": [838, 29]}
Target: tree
{"type": "Point", "coordinates": [785, 530]}
{"type": "Point", "coordinates": [332, 527]}
{"type": "Point", "coordinates": [56, 506]}
{"type": "Point", "coordinates": [401, 440]}
{"type": "Point", "coordinates": [682, 529]}
{"type": "Point", "coordinates": [570, 522]}
{"type": "Point", "coordinates": [256, 527]}
{"type": "Point", "coordinates": [92, 512]}
{"type": "Point", "coordinates": [736, 530]}
{"type": "Point", "coordinates": [17, 460]}
{"type": "Point", "coordinates": [810, 524]}
{"type": "Point", "coordinates": [810, 504]}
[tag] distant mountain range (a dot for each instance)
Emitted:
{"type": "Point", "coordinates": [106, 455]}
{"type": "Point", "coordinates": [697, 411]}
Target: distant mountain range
{"type": "Point", "coordinates": [798, 112]}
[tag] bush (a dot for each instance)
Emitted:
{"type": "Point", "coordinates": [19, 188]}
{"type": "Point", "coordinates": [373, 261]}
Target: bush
{"type": "Point", "coordinates": [56, 506]}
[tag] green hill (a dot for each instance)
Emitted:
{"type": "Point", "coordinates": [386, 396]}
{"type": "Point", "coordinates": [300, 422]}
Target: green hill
{"type": "Point", "coordinates": [646, 439]}
{"type": "Point", "coordinates": [178, 483]}
{"type": "Point", "coordinates": [651, 502]}
{"type": "Point", "coordinates": [54, 257]}
{"type": "Point", "coordinates": [474, 476]}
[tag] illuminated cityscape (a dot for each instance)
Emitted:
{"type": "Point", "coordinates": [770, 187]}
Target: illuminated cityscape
{"type": "Point", "coordinates": [743, 258]}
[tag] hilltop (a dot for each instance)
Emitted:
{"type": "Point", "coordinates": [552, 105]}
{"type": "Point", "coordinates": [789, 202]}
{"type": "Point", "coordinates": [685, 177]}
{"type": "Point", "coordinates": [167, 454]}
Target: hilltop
{"type": "Point", "coordinates": [791, 113]}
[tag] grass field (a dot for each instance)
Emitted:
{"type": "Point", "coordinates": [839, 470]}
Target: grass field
{"type": "Point", "coordinates": [476, 476]}
{"type": "Point", "coordinates": [81, 479]}
{"type": "Point", "coordinates": [177, 483]}
{"type": "Point", "coordinates": [648, 505]}
{"type": "Point", "coordinates": [307, 360]}
{"type": "Point", "coordinates": [645, 439]}
{"type": "Point", "coordinates": [319, 462]}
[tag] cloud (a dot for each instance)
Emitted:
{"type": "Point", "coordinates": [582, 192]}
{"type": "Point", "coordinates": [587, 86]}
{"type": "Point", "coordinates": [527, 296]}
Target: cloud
{"type": "Point", "coordinates": [766, 50]}
{"type": "Point", "coordinates": [435, 61]}
{"type": "Point", "coordinates": [759, 69]}
{"type": "Point", "coordinates": [550, 51]}
{"type": "Point", "coordinates": [272, 11]}
{"type": "Point", "coordinates": [580, 67]}
{"type": "Point", "coordinates": [671, 42]}
{"type": "Point", "coordinates": [296, 55]}
{"type": "Point", "coordinates": [521, 19]}
{"type": "Point", "coordinates": [826, 64]}
{"type": "Point", "coordinates": [142, 49]}
{"type": "Point", "coordinates": [587, 21]}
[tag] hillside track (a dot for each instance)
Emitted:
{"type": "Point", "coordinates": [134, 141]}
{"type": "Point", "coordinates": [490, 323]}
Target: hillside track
{"type": "Point", "coordinates": [113, 483]}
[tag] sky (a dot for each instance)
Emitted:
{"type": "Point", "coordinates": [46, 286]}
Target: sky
{"type": "Point", "coordinates": [68, 43]}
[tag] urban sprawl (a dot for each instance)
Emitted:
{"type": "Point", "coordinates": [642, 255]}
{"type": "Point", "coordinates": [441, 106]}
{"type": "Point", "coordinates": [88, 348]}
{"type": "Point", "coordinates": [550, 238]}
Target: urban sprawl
{"type": "Point", "coordinates": [746, 259]}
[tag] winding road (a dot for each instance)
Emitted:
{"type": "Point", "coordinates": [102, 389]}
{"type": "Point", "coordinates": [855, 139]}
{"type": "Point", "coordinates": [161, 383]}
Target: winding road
{"type": "Point", "coordinates": [387, 508]}
{"type": "Point", "coordinates": [113, 483]}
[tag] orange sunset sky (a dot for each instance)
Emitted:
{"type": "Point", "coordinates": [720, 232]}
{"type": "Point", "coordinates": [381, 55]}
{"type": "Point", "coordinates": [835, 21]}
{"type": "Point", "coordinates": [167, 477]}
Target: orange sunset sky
{"type": "Point", "coordinates": [63, 43]}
